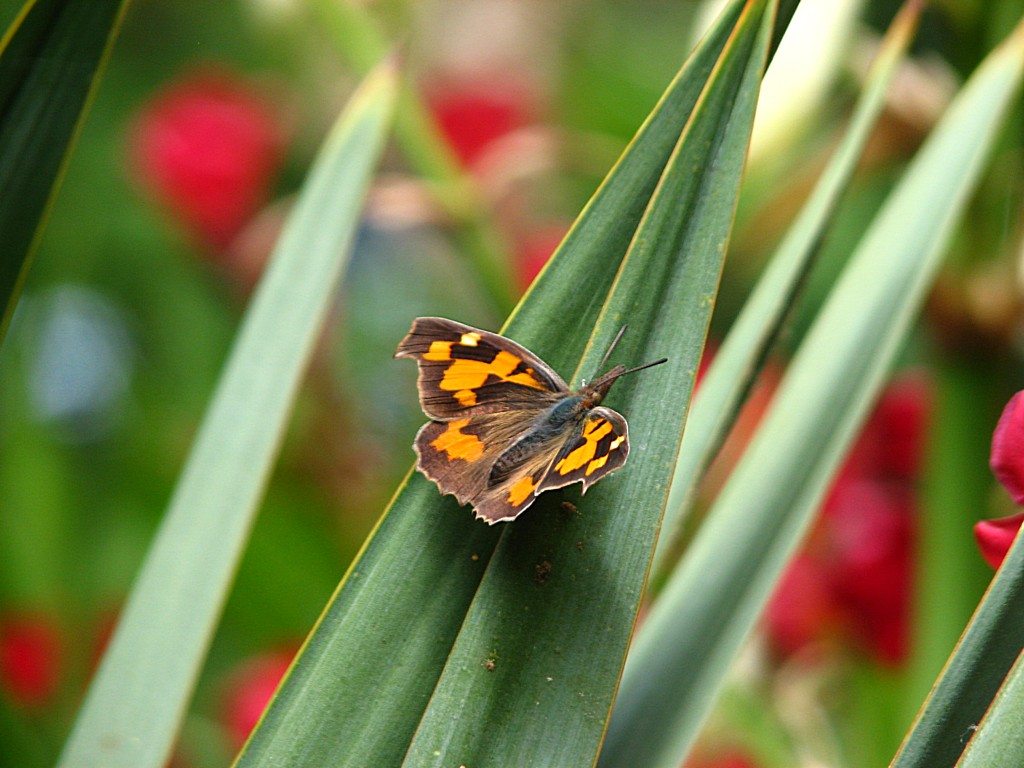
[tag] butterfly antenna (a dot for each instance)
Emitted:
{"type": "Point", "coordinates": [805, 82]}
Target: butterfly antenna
{"type": "Point", "coordinates": [645, 365]}
{"type": "Point", "coordinates": [611, 346]}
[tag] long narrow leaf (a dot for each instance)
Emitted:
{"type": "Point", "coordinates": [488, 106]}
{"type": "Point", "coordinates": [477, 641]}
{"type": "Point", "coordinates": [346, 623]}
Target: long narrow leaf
{"type": "Point", "coordinates": [361, 684]}
{"type": "Point", "coordinates": [361, 41]}
{"type": "Point", "coordinates": [557, 605]}
{"type": "Point", "coordinates": [50, 63]}
{"type": "Point", "coordinates": [695, 629]}
{"type": "Point", "coordinates": [134, 706]}
{"type": "Point", "coordinates": [1000, 736]}
{"type": "Point", "coordinates": [993, 640]}
{"type": "Point", "coordinates": [731, 373]}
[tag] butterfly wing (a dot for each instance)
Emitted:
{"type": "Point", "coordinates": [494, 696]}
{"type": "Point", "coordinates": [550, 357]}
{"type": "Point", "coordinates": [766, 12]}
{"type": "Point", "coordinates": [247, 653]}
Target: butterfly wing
{"type": "Point", "coordinates": [475, 458]}
{"type": "Point", "coordinates": [500, 433]}
{"type": "Point", "coordinates": [599, 446]}
{"type": "Point", "coordinates": [464, 371]}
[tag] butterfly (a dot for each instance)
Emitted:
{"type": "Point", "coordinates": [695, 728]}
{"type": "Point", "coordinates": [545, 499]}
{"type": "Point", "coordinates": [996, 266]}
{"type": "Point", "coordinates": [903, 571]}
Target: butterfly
{"type": "Point", "coordinates": [504, 426]}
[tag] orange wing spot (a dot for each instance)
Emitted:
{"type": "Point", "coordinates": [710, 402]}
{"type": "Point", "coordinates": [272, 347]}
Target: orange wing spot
{"type": "Point", "coordinates": [472, 374]}
{"type": "Point", "coordinates": [599, 462]}
{"type": "Point", "coordinates": [521, 490]}
{"type": "Point", "coordinates": [592, 433]}
{"type": "Point", "coordinates": [439, 350]}
{"type": "Point", "coordinates": [466, 397]}
{"type": "Point", "coordinates": [457, 444]}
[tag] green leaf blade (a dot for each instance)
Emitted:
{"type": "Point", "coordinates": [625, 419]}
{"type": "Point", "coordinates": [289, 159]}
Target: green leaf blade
{"type": "Point", "coordinates": [712, 601]}
{"type": "Point", "coordinates": [50, 63]}
{"type": "Point", "coordinates": [535, 667]}
{"type": "Point", "coordinates": [970, 682]}
{"type": "Point", "coordinates": [365, 713]}
{"type": "Point", "coordinates": [999, 739]}
{"type": "Point", "coordinates": [133, 709]}
{"type": "Point", "coordinates": [732, 371]}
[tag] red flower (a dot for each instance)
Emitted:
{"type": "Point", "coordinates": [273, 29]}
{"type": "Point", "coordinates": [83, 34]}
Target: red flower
{"type": "Point", "coordinates": [900, 422]}
{"type": "Point", "coordinates": [870, 538]}
{"type": "Point", "coordinates": [207, 148]}
{"type": "Point", "coordinates": [473, 116]}
{"type": "Point", "coordinates": [855, 576]}
{"type": "Point", "coordinates": [30, 659]}
{"type": "Point", "coordinates": [891, 443]}
{"type": "Point", "coordinates": [803, 611]}
{"type": "Point", "coordinates": [995, 537]}
{"type": "Point", "coordinates": [535, 250]}
{"type": "Point", "coordinates": [1007, 458]}
{"type": "Point", "coordinates": [249, 690]}
{"type": "Point", "coordinates": [732, 758]}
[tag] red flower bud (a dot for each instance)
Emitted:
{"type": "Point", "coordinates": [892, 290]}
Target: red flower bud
{"type": "Point", "coordinates": [870, 541]}
{"type": "Point", "coordinates": [995, 537]}
{"type": "Point", "coordinates": [901, 422]}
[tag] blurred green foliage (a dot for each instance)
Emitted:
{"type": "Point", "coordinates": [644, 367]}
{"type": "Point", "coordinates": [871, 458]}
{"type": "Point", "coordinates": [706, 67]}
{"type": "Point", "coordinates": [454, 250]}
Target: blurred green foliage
{"type": "Point", "coordinates": [126, 320]}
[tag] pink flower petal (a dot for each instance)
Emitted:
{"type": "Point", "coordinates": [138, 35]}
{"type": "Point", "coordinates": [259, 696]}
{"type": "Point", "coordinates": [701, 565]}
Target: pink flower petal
{"type": "Point", "coordinates": [1008, 448]}
{"type": "Point", "coordinates": [995, 537]}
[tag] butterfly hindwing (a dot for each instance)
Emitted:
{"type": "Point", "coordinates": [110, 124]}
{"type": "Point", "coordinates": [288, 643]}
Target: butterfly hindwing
{"type": "Point", "coordinates": [510, 498]}
{"type": "Point", "coordinates": [598, 447]}
{"type": "Point", "coordinates": [465, 371]}
{"type": "Point", "coordinates": [476, 459]}
{"type": "Point", "coordinates": [454, 455]}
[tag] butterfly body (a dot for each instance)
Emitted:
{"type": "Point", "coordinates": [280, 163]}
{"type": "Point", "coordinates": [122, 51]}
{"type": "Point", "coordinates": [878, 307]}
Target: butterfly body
{"type": "Point", "coordinates": [504, 426]}
{"type": "Point", "coordinates": [550, 424]}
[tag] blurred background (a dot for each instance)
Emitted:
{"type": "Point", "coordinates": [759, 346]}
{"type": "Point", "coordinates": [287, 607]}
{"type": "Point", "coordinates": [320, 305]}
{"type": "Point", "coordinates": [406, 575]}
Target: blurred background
{"type": "Point", "coordinates": [202, 129]}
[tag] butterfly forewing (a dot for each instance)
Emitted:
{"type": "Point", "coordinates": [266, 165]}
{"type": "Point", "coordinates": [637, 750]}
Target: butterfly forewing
{"type": "Point", "coordinates": [465, 371]}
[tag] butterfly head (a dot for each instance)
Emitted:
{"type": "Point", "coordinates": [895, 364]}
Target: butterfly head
{"type": "Point", "coordinates": [598, 389]}
{"type": "Point", "coordinates": [595, 392]}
